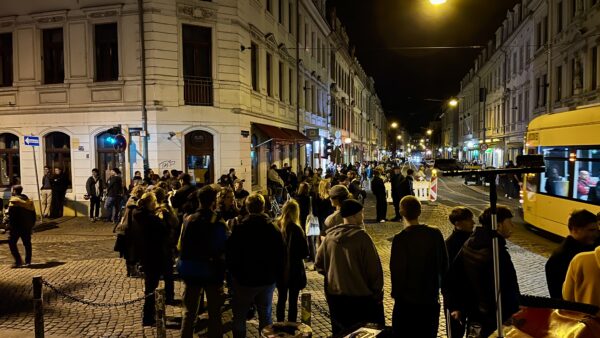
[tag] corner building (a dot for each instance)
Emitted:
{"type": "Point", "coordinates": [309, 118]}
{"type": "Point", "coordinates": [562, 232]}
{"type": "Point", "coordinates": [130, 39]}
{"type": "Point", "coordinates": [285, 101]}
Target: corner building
{"type": "Point", "coordinates": [221, 88]}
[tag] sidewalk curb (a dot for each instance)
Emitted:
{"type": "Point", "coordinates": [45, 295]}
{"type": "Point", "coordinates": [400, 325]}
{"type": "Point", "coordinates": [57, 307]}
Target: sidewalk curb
{"type": "Point", "coordinates": [513, 203]}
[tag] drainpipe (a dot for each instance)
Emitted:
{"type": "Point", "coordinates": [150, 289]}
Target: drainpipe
{"type": "Point", "coordinates": [143, 86]}
{"type": "Point", "coordinates": [549, 60]}
{"type": "Point", "coordinates": [298, 81]}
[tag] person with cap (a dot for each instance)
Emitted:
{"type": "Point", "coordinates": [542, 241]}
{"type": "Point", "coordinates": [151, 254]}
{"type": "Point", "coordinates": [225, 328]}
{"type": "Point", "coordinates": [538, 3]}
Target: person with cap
{"type": "Point", "coordinates": [337, 194]}
{"type": "Point", "coordinates": [378, 189]}
{"type": "Point", "coordinates": [353, 273]}
{"type": "Point", "coordinates": [418, 262]}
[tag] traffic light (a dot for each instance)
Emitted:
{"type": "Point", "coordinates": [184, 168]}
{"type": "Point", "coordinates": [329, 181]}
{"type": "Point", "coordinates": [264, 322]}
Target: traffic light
{"type": "Point", "coordinates": [120, 143]}
{"type": "Point", "coordinates": [327, 147]}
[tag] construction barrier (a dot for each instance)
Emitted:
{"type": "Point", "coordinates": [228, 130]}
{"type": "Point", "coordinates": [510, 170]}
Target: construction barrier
{"type": "Point", "coordinates": [424, 190]}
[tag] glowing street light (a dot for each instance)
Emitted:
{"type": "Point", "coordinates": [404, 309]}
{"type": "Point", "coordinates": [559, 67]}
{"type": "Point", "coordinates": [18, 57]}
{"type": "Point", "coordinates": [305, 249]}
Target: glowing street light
{"type": "Point", "coordinates": [394, 125]}
{"type": "Point", "coordinates": [429, 131]}
{"type": "Point", "coordinates": [399, 137]}
{"type": "Point", "coordinates": [437, 2]}
{"type": "Point", "coordinates": [453, 103]}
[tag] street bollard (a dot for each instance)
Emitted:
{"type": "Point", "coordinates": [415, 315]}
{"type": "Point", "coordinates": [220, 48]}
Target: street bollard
{"type": "Point", "coordinates": [161, 329]}
{"type": "Point", "coordinates": [38, 306]}
{"type": "Point", "coordinates": [305, 304]}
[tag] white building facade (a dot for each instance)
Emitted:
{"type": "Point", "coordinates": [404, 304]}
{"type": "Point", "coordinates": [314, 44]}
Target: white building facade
{"type": "Point", "coordinates": [221, 88]}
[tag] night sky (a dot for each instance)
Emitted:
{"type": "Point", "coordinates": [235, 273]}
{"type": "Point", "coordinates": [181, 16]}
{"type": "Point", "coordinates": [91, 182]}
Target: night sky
{"type": "Point", "coordinates": [408, 79]}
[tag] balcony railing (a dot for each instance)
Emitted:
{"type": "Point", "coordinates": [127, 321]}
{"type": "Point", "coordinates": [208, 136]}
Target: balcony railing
{"type": "Point", "coordinates": [198, 91]}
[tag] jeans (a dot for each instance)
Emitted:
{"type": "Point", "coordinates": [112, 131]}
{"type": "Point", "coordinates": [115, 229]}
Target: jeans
{"type": "Point", "coordinates": [381, 207]}
{"type": "Point", "coordinates": [113, 208]}
{"type": "Point", "coordinates": [282, 298]}
{"type": "Point", "coordinates": [415, 320]}
{"type": "Point", "coordinates": [243, 297]}
{"type": "Point", "coordinates": [94, 206]}
{"type": "Point", "coordinates": [46, 195]}
{"type": "Point", "coordinates": [151, 280]}
{"type": "Point", "coordinates": [191, 301]}
{"type": "Point", "coordinates": [13, 238]}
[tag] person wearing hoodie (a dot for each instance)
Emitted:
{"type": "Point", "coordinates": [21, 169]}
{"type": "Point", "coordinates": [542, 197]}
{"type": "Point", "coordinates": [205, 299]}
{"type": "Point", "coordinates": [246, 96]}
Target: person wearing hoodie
{"type": "Point", "coordinates": [583, 233]}
{"type": "Point", "coordinates": [255, 258]}
{"type": "Point", "coordinates": [337, 194]}
{"type": "Point", "coordinates": [21, 219]}
{"type": "Point", "coordinates": [462, 220]}
{"type": "Point", "coordinates": [583, 278]}
{"type": "Point", "coordinates": [418, 262]}
{"type": "Point", "coordinates": [353, 274]}
{"type": "Point", "coordinates": [476, 256]}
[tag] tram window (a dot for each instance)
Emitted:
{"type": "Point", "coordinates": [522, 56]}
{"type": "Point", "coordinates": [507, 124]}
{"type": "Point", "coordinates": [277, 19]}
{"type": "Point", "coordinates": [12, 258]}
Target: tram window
{"type": "Point", "coordinates": [587, 175]}
{"type": "Point", "coordinates": [555, 181]}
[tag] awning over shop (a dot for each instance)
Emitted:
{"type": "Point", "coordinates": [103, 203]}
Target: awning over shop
{"type": "Point", "coordinates": [297, 136]}
{"type": "Point", "coordinates": [280, 135]}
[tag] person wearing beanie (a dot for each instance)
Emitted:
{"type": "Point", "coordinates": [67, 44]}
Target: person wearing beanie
{"type": "Point", "coordinates": [337, 194]}
{"type": "Point", "coordinates": [353, 274]}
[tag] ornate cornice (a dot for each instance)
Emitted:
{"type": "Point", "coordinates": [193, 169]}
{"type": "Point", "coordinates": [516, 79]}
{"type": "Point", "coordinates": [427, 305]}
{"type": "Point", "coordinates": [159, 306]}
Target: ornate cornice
{"type": "Point", "coordinates": [196, 12]}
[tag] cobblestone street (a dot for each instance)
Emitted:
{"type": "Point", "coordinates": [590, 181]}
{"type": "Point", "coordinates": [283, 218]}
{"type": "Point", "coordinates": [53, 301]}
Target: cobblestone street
{"type": "Point", "coordinates": [78, 258]}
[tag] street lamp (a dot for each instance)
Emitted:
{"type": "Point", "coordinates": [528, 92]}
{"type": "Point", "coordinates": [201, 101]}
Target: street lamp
{"type": "Point", "coordinates": [399, 137]}
{"type": "Point", "coordinates": [429, 131]}
{"type": "Point", "coordinates": [453, 103]}
{"type": "Point", "coordinates": [437, 2]}
{"type": "Point", "coordinates": [394, 125]}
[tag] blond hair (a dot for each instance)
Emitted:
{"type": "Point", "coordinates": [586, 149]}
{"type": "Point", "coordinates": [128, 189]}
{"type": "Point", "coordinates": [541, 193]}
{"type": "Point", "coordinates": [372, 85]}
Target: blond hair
{"type": "Point", "coordinates": [290, 214]}
{"type": "Point", "coordinates": [324, 187]}
{"type": "Point", "coordinates": [147, 201]}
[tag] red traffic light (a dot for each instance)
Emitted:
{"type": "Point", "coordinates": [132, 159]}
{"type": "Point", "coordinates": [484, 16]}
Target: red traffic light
{"type": "Point", "coordinates": [120, 143]}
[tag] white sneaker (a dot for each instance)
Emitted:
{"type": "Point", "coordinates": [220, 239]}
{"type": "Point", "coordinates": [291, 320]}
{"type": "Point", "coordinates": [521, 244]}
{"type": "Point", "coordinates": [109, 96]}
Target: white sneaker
{"type": "Point", "coordinates": [382, 221]}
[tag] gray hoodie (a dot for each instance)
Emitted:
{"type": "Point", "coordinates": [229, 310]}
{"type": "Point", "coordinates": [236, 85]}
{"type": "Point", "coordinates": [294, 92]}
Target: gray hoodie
{"type": "Point", "coordinates": [348, 259]}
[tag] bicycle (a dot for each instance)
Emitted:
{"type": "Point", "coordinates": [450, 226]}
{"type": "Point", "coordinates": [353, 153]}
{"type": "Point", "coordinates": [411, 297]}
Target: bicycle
{"type": "Point", "coordinates": [276, 206]}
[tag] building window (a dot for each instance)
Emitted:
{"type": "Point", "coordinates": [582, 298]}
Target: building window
{"type": "Point", "coordinates": [269, 68]}
{"type": "Point", "coordinates": [254, 65]}
{"type": "Point", "coordinates": [546, 30]}
{"type": "Point", "coordinates": [107, 52]}
{"type": "Point", "coordinates": [281, 80]}
{"type": "Point", "coordinates": [58, 153]}
{"type": "Point", "coordinates": [290, 85]}
{"type": "Point", "coordinates": [10, 165]}
{"type": "Point", "coordinates": [558, 83]}
{"type": "Point", "coordinates": [199, 157]}
{"type": "Point", "coordinates": [270, 6]}
{"type": "Point", "coordinates": [290, 16]}
{"type": "Point", "coordinates": [54, 66]}
{"type": "Point", "coordinates": [281, 11]}
{"type": "Point", "coordinates": [197, 65]}
{"type": "Point", "coordinates": [594, 74]}
{"type": "Point", "coordinates": [573, 7]}
{"type": "Point", "coordinates": [573, 76]}
{"type": "Point", "coordinates": [306, 96]}
{"type": "Point", "coordinates": [6, 60]}
{"type": "Point", "coordinates": [559, 17]}
{"type": "Point", "coordinates": [545, 89]}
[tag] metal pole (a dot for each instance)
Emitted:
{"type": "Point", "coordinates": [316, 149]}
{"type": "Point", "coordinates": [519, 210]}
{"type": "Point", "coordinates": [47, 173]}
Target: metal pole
{"type": "Point", "coordinates": [549, 60]}
{"type": "Point", "coordinates": [496, 255]}
{"type": "Point", "coordinates": [299, 166]}
{"type": "Point", "coordinates": [38, 306]}
{"type": "Point", "coordinates": [305, 302]}
{"type": "Point", "coordinates": [143, 85]}
{"type": "Point", "coordinates": [37, 182]}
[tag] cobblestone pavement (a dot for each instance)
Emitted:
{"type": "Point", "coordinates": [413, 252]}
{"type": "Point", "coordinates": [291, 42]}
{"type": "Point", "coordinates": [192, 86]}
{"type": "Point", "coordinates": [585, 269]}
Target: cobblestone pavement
{"type": "Point", "coordinates": [78, 258]}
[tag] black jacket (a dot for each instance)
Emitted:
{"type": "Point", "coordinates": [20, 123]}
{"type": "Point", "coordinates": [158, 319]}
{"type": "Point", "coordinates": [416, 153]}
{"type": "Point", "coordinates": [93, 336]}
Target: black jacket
{"type": "Point", "coordinates": [150, 238]}
{"type": "Point", "coordinates": [418, 261]}
{"type": "Point", "coordinates": [21, 214]}
{"type": "Point", "coordinates": [377, 187]}
{"type": "Point", "coordinates": [90, 186]}
{"type": "Point", "coordinates": [296, 250]}
{"type": "Point", "coordinates": [203, 239]}
{"type": "Point", "coordinates": [453, 284]}
{"type": "Point", "coordinates": [395, 182]}
{"type": "Point", "coordinates": [180, 199]}
{"type": "Point", "coordinates": [114, 187]}
{"type": "Point", "coordinates": [304, 203]}
{"type": "Point", "coordinates": [406, 186]}
{"type": "Point", "coordinates": [479, 302]}
{"type": "Point", "coordinates": [59, 184]}
{"type": "Point", "coordinates": [558, 264]}
{"type": "Point", "coordinates": [255, 251]}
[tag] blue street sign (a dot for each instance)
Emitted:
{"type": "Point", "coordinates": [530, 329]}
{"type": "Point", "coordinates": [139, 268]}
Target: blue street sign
{"type": "Point", "coordinates": [33, 141]}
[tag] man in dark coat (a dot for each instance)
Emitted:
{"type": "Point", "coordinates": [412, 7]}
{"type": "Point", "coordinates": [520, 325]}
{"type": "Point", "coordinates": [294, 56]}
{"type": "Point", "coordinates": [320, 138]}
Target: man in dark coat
{"type": "Point", "coordinates": [59, 184]}
{"type": "Point", "coordinates": [378, 189]}
{"type": "Point", "coordinates": [255, 258]}
{"type": "Point", "coordinates": [114, 196]}
{"type": "Point", "coordinates": [583, 233]}
{"type": "Point", "coordinates": [181, 199]}
{"type": "Point", "coordinates": [406, 185]}
{"type": "Point", "coordinates": [202, 244]}
{"type": "Point", "coordinates": [94, 187]}
{"type": "Point", "coordinates": [21, 219]}
{"type": "Point", "coordinates": [476, 256]}
{"type": "Point", "coordinates": [418, 261]}
{"type": "Point", "coordinates": [395, 181]}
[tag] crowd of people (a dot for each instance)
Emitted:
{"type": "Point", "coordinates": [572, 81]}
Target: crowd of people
{"type": "Point", "coordinates": [222, 237]}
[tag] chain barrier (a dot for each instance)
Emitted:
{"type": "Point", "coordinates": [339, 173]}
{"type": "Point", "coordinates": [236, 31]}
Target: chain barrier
{"type": "Point", "coordinates": [91, 303]}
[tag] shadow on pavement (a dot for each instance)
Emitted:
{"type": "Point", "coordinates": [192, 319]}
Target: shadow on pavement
{"type": "Point", "coordinates": [46, 265]}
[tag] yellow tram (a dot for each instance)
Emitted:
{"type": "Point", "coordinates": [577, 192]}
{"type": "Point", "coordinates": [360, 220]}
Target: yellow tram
{"type": "Point", "coordinates": [570, 144]}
